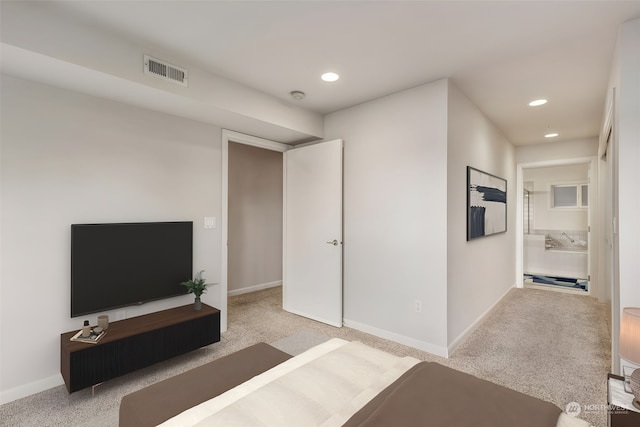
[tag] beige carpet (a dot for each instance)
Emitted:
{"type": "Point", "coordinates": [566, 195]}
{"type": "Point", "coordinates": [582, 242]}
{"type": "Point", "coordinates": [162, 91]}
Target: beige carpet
{"type": "Point", "coordinates": [549, 345]}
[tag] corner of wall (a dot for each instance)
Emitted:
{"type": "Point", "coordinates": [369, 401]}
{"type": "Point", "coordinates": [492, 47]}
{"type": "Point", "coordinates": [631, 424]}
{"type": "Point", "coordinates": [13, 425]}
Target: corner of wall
{"type": "Point", "coordinates": [475, 325]}
{"type": "Point", "coordinates": [472, 288]}
{"type": "Point", "coordinates": [28, 389]}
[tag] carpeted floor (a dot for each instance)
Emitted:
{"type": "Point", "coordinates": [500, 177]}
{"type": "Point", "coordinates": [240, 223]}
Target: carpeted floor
{"type": "Point", "coordinates": [550, 345]}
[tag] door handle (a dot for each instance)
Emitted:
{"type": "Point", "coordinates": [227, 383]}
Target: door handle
{"type": "Point", "coordinates": [334, 242]}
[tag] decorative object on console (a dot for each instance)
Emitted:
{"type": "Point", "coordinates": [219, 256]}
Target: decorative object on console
{"type": "Point", "coordinates": [630, 347]}
{"type": "Point", "coordinates": [103, 322]}
{"type": "Point", "coordinates": [94, 336]}
{"type": "Point", "coordinates": [86, 329]}
{"type": "Point", "coordinates": [197, 286]}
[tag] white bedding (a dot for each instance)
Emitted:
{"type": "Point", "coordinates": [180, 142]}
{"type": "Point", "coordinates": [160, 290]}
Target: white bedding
{"type": "Point", "coordinates": [565, 420]}
{"type": "Point", "coordinates": [323, 386]}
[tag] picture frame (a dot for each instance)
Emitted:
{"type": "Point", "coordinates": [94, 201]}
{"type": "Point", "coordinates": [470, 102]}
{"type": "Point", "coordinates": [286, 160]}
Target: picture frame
{"type": "Point", "coordinates": [486, 204]}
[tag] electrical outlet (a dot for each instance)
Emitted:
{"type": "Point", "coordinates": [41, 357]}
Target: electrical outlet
{"type": "Point", "coordinates": [418, 306]}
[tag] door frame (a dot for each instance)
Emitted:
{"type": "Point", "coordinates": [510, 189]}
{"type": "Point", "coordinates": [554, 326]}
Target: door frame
{"type": "Point", "coordinates": [592, 212]}
{"type": "Point", "coordinates": [240, 138]}
{"type": "Point", "coordinates": [610, 262]}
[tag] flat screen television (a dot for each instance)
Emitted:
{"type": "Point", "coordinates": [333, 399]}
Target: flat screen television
{"type": "Point", "coordinates": [123, 264]}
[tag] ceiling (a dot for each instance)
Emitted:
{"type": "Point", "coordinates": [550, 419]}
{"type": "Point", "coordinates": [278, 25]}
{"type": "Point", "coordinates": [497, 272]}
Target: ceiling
{"type": "Point", "coordinates": [501, 54]}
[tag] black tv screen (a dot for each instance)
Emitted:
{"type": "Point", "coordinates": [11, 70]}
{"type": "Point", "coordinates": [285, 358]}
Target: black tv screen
{"type": "Point", "coordinates": [116, 265]}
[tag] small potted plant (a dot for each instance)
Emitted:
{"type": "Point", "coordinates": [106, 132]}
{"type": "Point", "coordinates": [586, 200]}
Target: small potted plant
{"type": "Point", "coordinates": [197, 286]}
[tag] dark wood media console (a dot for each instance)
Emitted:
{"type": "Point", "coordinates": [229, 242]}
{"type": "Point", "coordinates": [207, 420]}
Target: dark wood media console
{"type": "Point", "coordinates": [137, 342]}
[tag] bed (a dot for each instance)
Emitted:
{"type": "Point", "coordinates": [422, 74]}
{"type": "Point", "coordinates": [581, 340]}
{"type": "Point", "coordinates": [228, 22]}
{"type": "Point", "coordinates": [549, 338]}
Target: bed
{"type": "Point", "coordinates": [337, 383]}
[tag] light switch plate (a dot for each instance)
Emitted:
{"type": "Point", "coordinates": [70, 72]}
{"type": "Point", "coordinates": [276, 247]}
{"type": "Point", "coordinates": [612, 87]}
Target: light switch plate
{"type": "Point", "coordinates": [209, 222]}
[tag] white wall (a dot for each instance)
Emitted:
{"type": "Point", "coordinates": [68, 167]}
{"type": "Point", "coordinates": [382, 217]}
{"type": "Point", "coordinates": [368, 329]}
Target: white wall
{"type": "Point", "coordinates": [627, 140]}
{"type": "Point", "coordinates": [629, 163]}
{"type": "Point", "coordinates": [551, 151]}
{"type": "Point", "coordinates": [481, 271]}
{"type": "Point", "coordinates": [41, 42]}
{"type": "Point", "coordinates": [395, 215]}
{"type": "Point", "coordinates": [405, 216]}
{"type": "Point", "coordinates": [70, 158]}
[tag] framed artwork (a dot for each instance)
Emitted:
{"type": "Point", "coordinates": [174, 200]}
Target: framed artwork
{"type": "Point", "coordinates": [486, 204]}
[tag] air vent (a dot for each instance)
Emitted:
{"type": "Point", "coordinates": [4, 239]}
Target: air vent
{"type": "Point", "coordinates": [165, 70]}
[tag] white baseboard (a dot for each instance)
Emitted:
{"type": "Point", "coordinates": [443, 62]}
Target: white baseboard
{"type": "Point", "coordinates": [460, 338]}
{"type": "Point", "coordinates": [254, 288]}
{"type": "Point", "coordinates": [34, 387]}
{"type": "Point", "coordinates": [400, 339]}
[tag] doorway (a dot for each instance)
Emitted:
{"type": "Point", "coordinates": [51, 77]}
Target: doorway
{"type": "Point", "coordinates": [556, 227]}
{"type": "Point", "coordinates": [255, 219]}
{"type": "Point", "coordinates": [556, 205]}
{"type": "Point", "coordinates": [231, 137]}
{"type": "Point", "coordinates": [314, 160]}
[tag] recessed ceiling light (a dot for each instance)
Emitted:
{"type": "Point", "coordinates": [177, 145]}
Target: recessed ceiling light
{"type": "Point", "coordinates": [330, 77]}
{"type": "Point", "coordinates": [537, 102]}
{"type": "Point", "coordinates": [551, 135]}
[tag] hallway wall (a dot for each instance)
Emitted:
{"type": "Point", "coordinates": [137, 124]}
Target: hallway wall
{"type": "Point", "coordinates": [255, 218]}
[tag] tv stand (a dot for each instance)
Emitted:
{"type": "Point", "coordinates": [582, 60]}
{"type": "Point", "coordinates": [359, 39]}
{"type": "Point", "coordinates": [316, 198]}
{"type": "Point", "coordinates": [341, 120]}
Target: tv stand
{"type": "Point", "coordinates": [136, 343]}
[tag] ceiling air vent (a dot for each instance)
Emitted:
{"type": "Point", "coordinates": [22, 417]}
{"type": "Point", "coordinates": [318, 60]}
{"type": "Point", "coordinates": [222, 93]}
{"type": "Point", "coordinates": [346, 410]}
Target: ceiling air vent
{"type": "Point", "coordinates": [165, 70]}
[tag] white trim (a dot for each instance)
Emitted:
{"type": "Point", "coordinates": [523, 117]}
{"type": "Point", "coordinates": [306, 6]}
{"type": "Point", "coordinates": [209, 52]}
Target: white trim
{"type": "Point", "coordinates": [401, 339]}
{"type": "Point", "coordinates": [594, 222]}
{"type": "Point", "coordinates": [232, 136]}
{"type": "Point", "coordinates": [254, 288]}
{"type": "Point", "coordinates": [520, 226]}
{"type": "Point", "coordinates": [306, 144]}
{"type": "Point", "coordinates": [557, 162]}
{"type": "Point", "coordinates": [607, 127]}
{"type": "Point", "coordinates": [285, 294]}
{"type": "Point", "coordinates": [28, 389]}
{"type": "Point", "coordinates": [471, 329]}
{"type": "Point", "coordinates": [241, 138]}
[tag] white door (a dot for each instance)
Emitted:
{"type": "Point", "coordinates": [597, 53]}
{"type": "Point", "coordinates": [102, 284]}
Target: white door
{"type": "Point", "coordinates": [312, 261]}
